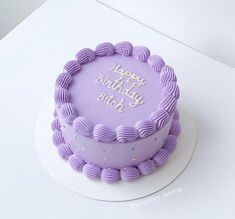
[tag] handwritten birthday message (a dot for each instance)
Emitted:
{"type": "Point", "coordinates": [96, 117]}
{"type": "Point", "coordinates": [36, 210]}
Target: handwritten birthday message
{"type": "Point", "coordinates": [125, 84]}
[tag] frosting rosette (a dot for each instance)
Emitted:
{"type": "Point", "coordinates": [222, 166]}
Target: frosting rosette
{"type": "Point", "coordinates": [110, 175]}
{"type": "Point", "coordinates": [105, 49]}
{"type": "Point", "coordinates": [141, 53]}
{"type": "Point", "coordinates": [85, 55]}
{"type": "Point", "coordinates": [124, 48]}
{"type": "Point", "coordinates": [103, 133]}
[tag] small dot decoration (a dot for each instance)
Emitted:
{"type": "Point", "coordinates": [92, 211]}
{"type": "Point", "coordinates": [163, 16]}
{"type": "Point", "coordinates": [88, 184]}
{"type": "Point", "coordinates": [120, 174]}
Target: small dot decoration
{"type": "Point", "coordinates": [83, 149]}
{"type": "Point", "coordinates": [106, 157]}
{"type": "Point", "coordinates": [74, 136]}
{"type": "Point", "coordinates": [155, 139]}
{"type": "Point", "coordinates": [133, 159]}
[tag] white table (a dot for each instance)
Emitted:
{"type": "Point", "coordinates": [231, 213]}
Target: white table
{"type": "Point", "coordinates": [30, 58]}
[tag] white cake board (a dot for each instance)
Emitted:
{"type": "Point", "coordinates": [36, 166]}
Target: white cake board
{"type": "Point", "coordinates": [120, 191]}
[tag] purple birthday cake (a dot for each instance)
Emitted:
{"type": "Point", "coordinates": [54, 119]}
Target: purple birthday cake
{"type": "Point", "coordinates": [115, 112]}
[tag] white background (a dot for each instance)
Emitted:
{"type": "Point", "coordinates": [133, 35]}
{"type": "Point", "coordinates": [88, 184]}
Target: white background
{"type": "Point", "coordinates": [205, 25]}
{"type": "Point", "coordinates": [30, 58]}
{"type": "Point", "coordinates": [12, 12]}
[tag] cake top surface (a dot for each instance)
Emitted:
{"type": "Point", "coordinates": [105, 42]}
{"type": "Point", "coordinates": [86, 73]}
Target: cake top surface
{"type": "Point", "coordinates": [116, 92]}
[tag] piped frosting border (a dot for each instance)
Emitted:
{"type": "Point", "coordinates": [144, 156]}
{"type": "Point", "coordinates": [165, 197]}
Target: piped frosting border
{"type": "Point", "coordinates": [111, 175]}
{"type": "Point", "coordinates": [100, 132]}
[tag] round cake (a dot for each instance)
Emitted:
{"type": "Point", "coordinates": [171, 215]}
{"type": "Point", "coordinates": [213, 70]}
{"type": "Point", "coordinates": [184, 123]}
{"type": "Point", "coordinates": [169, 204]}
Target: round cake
{"type": "Point", "coordinates": [115, 112]}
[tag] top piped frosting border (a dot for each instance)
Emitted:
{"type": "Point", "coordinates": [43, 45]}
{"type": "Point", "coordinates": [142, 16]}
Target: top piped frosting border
{"type": "Point", "coordinates": [100, 132]}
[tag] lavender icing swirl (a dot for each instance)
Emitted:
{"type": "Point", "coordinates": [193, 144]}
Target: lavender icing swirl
{"type": "Point", "coordinates": [105, 49]}
{"type": "Point", "coordinates": [161, 157]}
{"type": "Point", "coordinates": [85, 55]}
{"type": "Point", "coordinates": [167, 75]}
{"type": "Point", "coordinates": [141, 53]}
{"type": "Point", "coordinates": [176, 115]}
{"type": "Point", "coordinates": [168, 103]}
{"type": "Point", "coordinates": [64, 80]}
{"type": "Point", "coordinates": [170, 143]}
{"type": "Point", "coordinates": [145, 128]}
{"type": "Point", "coordinates": [172, 89]}
{"type": "Point", "coordinates": [156, 62]}
{"type": "Point", "coordinates": [58, 138]}
{"type": "Point", "coordinates": [103, 133]}
{"type": "Point", "coordinates": [68, 112]}
{"type": "Point", "coordinates": [72, 67]}
{"type": "Point", "coordinates": [91, 171]}
{"type": "Point", "coordinates": [129, 174]}
{"type": "Point", "coordinates": [64, 151]}
{"type": "Point", "coordinates": [123, 48]}
{"type": "Point", "coordinates": [61, 96]}
{"type": "Point", "coordinates": [110, 175]}
{"type": "Point", "coordinates": [147, 167]}
{"type": "Point", "coordinates": [55, 125]}
{"type": "Point", "coordinates": [160, 118]}
{"type": "Point", "coordinates": [82, 126]}
{"type": "Point", "coordinates": [76, 162]}
{"type": "Point", "coordinates": [175, 128]}
{"type": "Point", "coordinates": [125, 133]}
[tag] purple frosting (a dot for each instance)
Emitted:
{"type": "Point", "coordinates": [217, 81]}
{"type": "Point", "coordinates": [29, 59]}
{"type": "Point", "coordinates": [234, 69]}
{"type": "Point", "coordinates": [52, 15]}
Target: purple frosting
{"type": "Point", "coordinates": [72, 67]}
{"type": "Point", "coordinates": [105, 49]}
{"type": "Point", "coordinates": [61, 96]}
{"type": "Point", "coordinates": [76, 162]}
{"type": "Point", "coordinates": [170, 143]}
{"type": "Point", "coordinates": [58, 138]}
{"type": "Point", "coordinates": [141, 53]}
{"type": "Point", "coordinates": [145, 128]}
{"type": "Point", "coordinates": [64, 151]}
{"type": "Point", "coordinates": [110, 175]}
{"type": "Point", "coordinates": [156, 63]}
{"type": "Point", "coordinates": [55, 125]}
{"type": "Point", "coordinates": [129, 174]}
{"type": "Point", "coordinates": [82, 126]}
{"type": "Point", "coordinates": [168, 103]}
{"type": "Point", "coordinates": [92, 171]}
{"type": "Point", "coordinates": [161, 157]}
{"type": "Point", "coordinates": [125, 133]}
{"type": "Point", "coordinates": [64, 80]}
{"type": "Point", "coordinates": [68, 112]}
{"type": "Point", "coordinates": [147, 167]}
{"type": "Point", "coordinates": [103, 133]}
{"type": "Point", "coordinates": [172, 89]}
{"type": "Point", "coordinates": [167, 75]}
{"type": "Point", "coordinates": [175, 128]}
{"type": "Point", "coordinates": [124, 48]}
{"type": "Point", "coordinates": [133, 156]}
{"type": "Point", "coordinates": [85, 55]}
{"type": "Point", "coordinates": [160, 118]}
{"type": "Point", "coordinates": [176, 115]}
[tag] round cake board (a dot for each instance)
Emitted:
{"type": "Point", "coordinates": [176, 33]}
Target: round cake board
{"type": "Point", "coordinates": [120, 191]}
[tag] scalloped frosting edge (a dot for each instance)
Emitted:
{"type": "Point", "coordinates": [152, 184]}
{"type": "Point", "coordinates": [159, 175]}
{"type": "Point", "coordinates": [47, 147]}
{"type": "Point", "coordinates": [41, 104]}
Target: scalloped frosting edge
{"type": "Point", "coordinates": [112, 175]}
{"type": "Point", "coordinates": [142, 128]}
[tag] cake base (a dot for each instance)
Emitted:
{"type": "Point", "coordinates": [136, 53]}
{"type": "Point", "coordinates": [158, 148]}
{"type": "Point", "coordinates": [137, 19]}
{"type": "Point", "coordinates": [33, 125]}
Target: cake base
{"type": "Point", "coordinates": [120, 191]}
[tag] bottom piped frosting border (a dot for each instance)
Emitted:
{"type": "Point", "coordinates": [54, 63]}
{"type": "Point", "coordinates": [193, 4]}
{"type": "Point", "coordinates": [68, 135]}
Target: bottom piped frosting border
{"type": "Point", "coordinates": [111, 175]}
